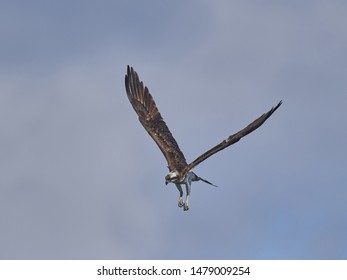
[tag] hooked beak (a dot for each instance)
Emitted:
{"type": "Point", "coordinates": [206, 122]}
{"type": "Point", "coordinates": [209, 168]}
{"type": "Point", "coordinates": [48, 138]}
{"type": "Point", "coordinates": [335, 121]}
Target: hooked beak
{"type": "Point", "coordinates": [167, 179]}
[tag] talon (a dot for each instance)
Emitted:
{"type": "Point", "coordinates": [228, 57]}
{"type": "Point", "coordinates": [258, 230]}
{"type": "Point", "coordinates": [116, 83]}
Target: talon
{"type": "Point", "coordinates": [186, 207]}
{"type": "Point", "coordinates": [180, 202]}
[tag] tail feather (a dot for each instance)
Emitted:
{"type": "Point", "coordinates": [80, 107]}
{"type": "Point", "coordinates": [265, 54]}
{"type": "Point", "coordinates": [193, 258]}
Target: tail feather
{"type": "Point", "coordinates": [201, 179]}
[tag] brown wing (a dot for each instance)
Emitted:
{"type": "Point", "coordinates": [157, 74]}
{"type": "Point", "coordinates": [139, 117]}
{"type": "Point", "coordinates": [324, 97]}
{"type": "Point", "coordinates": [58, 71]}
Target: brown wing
{"type": "Point", "coordinates": [149, 116]}
{"type": "Point", "coordinates": [233, 138]}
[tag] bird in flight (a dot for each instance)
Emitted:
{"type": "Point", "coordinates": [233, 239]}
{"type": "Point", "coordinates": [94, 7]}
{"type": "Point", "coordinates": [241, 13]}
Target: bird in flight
{"type": "Point", "coordinates": [180, 173]}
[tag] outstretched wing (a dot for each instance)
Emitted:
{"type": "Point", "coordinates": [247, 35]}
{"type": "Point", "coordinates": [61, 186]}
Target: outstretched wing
{"type": "Point", "coordinates": [149, 116]}
{"type": "Point", "coordinates": [233, 138]}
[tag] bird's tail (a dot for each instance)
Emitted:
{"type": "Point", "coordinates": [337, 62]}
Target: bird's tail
{"type": "Point", "coordinates": [201, 179]}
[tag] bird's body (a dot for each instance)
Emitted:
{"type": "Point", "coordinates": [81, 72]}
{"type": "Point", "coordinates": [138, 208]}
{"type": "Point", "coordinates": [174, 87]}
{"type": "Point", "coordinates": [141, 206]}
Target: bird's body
{"type": "Point", "coordinates": [180, 173]}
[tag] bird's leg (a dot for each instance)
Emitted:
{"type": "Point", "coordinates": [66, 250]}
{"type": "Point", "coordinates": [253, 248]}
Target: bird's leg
{"type": "Point", "coordinates": [180, 200]}
{"type": "Point", "coordinates": [186, 205]}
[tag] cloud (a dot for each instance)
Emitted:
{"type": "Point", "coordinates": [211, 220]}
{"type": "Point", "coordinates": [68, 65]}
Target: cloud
{"type": "Point", "coordinates": [82, 179]}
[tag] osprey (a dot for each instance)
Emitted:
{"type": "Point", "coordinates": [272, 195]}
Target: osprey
{"type": "Point", "coordinates": [180, 173]}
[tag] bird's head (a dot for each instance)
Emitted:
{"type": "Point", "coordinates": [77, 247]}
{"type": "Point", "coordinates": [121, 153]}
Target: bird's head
{"type": "Point", "coordinates": [172, 177]}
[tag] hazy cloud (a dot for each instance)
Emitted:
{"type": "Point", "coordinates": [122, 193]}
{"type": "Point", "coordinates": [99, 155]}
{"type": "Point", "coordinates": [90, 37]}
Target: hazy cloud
{"type": "Point", "coordinates": [80, 178]}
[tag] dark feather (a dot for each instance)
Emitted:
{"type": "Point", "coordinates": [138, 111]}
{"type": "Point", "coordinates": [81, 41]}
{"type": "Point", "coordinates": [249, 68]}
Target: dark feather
{"type": "Point", "coordinates": [149, 116]}
{"type": "Point", "coordinates": [233, 138]}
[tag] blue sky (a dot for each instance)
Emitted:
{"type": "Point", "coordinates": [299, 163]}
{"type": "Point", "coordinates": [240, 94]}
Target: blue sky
{"type": "Point", "coordinates": [81, 179]}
